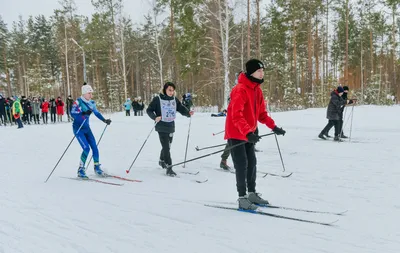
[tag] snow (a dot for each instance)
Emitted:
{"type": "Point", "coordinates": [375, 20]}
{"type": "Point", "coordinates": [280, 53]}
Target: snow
{"type": "Point", "coordinates": [164, 214]}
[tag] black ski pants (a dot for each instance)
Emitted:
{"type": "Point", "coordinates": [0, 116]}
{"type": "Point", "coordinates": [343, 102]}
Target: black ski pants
{"type": "Point", "coordinates": [336, 123]}
{"type": "Point", "coordinates": [226, 153]}
{"type": "Point", "coordinates": [166, 140]}
{"type": "Point", "coordinates": [245, 163]}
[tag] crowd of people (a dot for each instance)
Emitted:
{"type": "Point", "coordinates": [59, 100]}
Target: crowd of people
{"type": "Point", "coordinates": [33, 110]}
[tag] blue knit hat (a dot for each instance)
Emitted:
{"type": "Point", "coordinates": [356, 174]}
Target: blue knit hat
{"type": "Point", "coordinates": [340, 89]}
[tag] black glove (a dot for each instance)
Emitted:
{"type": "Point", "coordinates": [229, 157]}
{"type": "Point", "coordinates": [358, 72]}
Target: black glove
{"type": "Point", "coordinates": [252, 137]}
{"type": "Point", "coordinates": [107, 121]}
{"type": "Point", "coordinates": [88, 112]}
{"type": "Point", "coordinates": [350, 101]}
{"type": "Point", "coordinates": [279, 131]}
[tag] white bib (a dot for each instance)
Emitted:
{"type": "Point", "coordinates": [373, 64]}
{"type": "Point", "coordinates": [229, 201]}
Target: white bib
{"type": "Point", "coordinates": [168, 110]}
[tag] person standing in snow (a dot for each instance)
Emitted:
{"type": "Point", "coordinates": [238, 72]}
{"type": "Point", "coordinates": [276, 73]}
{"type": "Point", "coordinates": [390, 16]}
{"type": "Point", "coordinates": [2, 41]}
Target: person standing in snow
{"type": "Point", "coordinates": [162, 109]}
{"type": "Point", "coordinates": [17, 112]}
{"type": "Point", "coordinates": [247, 108]}
{"type": "Point", "coordinates": [60, 109]}
{"type": "Point", "coordinates": [187, 100]}
{"type": "Point", "coordinates": [36, 110]}
{"type": "Point", "coordinates": [140, 106]}
{"type": "Point", "coordinates": [127, 106]}
{"type": "Point", "coordinates": [334, 113]}
{"type": "Point", "coordinates": [53, 110]}
{"type": "Point", "coordinates": [70, 101]}
{"type": "Point", "coordinates": [81, 111]}
{"type": "Point", "coordinates": [45, 111]}
{"type": "Point", "coordinates": [3, 117]}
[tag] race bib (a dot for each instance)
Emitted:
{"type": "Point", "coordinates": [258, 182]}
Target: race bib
{"type": "Point", "coordinates": [168, 110]}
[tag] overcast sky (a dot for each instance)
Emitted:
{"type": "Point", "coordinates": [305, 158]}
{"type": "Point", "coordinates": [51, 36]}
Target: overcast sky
{"type": "Point", "coordinates": [135, 9]}
{"type": "Point", "coordinates": [11, 9]}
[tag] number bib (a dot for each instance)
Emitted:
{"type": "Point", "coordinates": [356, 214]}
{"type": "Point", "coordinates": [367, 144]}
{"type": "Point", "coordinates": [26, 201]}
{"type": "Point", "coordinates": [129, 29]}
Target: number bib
{"type": "Point", "coordinates": [168, 110]}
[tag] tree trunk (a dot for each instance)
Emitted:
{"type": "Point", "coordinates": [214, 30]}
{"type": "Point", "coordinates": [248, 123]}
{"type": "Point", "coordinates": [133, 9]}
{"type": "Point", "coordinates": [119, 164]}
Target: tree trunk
{"type": "Point", "coordinates": [248, 29]}
{"type": "Point", "coordinates": [7, 71]}
{"type": "Point", "coordinates": [346, 71]}
{"type": "Point", "coordinates": [258, 31]}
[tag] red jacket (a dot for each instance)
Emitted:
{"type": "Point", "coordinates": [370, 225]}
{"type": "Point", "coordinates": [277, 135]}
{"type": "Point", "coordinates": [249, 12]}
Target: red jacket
{"type": "Point", "coordinates": [246, 108]}
{"type": "Point", "coordinates": [45, 106]}
{"type": "Point", "coordinates": [60, 107]}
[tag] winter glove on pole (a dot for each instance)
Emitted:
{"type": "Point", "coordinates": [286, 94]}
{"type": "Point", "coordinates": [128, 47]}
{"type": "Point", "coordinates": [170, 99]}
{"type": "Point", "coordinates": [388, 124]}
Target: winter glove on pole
{"type": "Point", "coordinates": [252, 137]}
{"type": "Point", "coordinates": [279, 131]}
{"type": "Point", "coordinates": [107, 121]}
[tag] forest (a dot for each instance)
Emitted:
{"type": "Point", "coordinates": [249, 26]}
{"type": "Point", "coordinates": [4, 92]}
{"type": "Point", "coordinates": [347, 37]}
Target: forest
{"type": "Point", "coordinates": [308, 47]}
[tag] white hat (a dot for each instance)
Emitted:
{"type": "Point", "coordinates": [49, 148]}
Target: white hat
{"type": "Point", "coordinates": [86, 88]}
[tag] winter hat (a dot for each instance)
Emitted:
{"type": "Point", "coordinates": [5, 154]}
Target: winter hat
{"type": "Point", "coordinates": [345, 88]}
{"type": "Point", "coordinates": [340, 89]}
{"type": "Point", "coordinates": [166, 85]}
{"type": "Point", "coordinates": [253, 65]}
{"type": "Point", "coordinates": [86, 88]}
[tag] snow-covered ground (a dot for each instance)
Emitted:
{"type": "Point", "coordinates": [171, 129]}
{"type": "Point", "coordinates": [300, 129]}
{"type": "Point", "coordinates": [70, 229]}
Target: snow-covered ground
{"type": "Point", "coordinates": [164, 214]}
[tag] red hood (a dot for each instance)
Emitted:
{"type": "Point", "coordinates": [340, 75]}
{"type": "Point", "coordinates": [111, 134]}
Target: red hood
{"type": "Point", "coordinates": [246, 81]}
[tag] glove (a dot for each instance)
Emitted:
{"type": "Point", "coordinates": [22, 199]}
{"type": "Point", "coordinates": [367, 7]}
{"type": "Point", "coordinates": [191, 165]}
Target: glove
{"type": "Point", "coordinates": [252, 137]}
{"type": "Point", "coordinates": [350, 101]}
{"type": "Point", "coordinates": [88, 112]}
{"type": "Point", "coordinates": [279, 131]}
{"type": "Point", "coordinates": [107, 121]}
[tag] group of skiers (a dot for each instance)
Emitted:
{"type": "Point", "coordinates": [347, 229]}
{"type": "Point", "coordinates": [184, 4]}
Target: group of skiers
{"type": "Point", "coordinates": [25, 110]}
{"type": "Point", "coordinates": [136, 105]}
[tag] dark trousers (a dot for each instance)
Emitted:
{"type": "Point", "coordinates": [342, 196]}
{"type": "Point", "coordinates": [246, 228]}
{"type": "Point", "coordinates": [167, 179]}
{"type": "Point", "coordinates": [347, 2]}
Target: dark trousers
{"type": "Point", "coordinates": [45, 117]}
{"type": "Point", "coordinates": [3, 117]}
{"type": "Point", "coordinates": [245, 163]}
{"type": "Point", "coordinates": [36, 118]}
{"type": "Point", "coordinates": [165, 140]}
{"type": "Point", "coordinates": [128, 112]}
{"type": "Point", "coordinates": [19, 122]}
{"type": "Point", "coordinates": [331, 123]}
{"type": "Point", "coordinates": [53, 116]}
{"type": "Point", "coordinates": [226, 153]}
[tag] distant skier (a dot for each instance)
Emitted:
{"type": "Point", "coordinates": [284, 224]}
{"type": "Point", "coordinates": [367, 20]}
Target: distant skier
{"type": "Point", "coordinates": [247, 108]}
{"type": "Point", "coordinates": [162, 110]}
{"type": "Point", "coordinates": [187, 100]}
{"type": "Point", "coordinates": [81, 111]}
{"type": "Point", "coordinates": [334, 113]}
{"type": "Point", "coordinates": [127, 106]}
{"type": "Point", "coordinates": [17, 111]}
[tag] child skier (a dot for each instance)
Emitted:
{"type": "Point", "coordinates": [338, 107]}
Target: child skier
{"type": "Point", "coordinates": [162, 110]}
{"type": "Point", "coordinates": [81, 110]}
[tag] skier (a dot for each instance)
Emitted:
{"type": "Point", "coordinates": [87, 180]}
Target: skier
{"type": "Point", "coordinates": [344, 96]}
{"type": "Point", "coordinates": [246, 108]}
{"type": "Point", "coordinates": [81, 110]}
{"type": "Point", "coordinates": [127, 106]}
{"type": "Point", "coordinates": [162, 110]}
{"type": "Point", "coordinates": [334, 113]}
{"type": "Point", "coordinates": [187, 100]}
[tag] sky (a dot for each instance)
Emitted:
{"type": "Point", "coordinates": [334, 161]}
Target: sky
{"type": "Point", "coordinates": [135, 9]}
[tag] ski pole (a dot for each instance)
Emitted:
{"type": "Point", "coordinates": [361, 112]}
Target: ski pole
{"type": "Point", "coordinates": [140, 150]}
{"type": "Point", "coordinates": [280, 154]}
{"type": "Point", "coordinates": [214, 134]}
{"type": "Point", "coordinates": [187, 140]}
{"type": "Point", "coordinates": [65, 150]}
{"type": "Point", "coordinates": [213, 153]}
{"type": "Point", "coordinates": [101, 136]}
{"type": "Point", "coordinates": [220, 145]}
{"type": "Point", "coordinates": [351, 122]}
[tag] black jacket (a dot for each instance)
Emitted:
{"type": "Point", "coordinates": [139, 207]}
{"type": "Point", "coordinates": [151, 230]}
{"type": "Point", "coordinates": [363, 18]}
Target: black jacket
{"type": "Point", "coordinates": [154, 111]}
{"type": "Point", "coordinates": [334, 110]}
{"type": "Point", "coordinates": [2, 105]}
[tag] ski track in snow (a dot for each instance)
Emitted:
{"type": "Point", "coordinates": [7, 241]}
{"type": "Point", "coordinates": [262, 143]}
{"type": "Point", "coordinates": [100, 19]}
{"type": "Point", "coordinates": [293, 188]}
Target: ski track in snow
{"type": "Point", "coordinates": [164, 214]}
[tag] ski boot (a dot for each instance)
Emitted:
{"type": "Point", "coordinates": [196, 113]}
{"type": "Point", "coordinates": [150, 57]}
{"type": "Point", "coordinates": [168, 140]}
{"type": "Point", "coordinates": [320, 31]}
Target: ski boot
{"type": "Point", "coordinates": [170, 172]}
{"type": "Point", "coordinates": [255, 198]}
{"type": "Point", "coordinates": [82, 173]}
{"type": "Point", "coordinates": [223, 165]}
{"type": "Point", "coordinates": [321, 136]}
{"type": "Point", "coordinates": [245, 204]}
{"type": "Point", "coordinates": [343, 136]}
{"type": "Point", "coordinates": [162, 164]}
{"type": "Point", "coordinates": [337, 139]}
{"type": "Point", "coordinates": [98, 171]}
{"type": "Point", "coordinates": [327, 135]}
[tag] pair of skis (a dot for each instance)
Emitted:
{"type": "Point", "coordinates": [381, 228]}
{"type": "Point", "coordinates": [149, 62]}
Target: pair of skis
{"type": "Point", "coordinates": [262, 212]}
{"type": "Point", "coordinates": [96, 180]}
{"type": "Point", "coordinates": [264, 174]}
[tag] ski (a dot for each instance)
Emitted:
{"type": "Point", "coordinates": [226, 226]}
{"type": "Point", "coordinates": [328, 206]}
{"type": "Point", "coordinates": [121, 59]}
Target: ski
{"type": "Point", "coordinates": [303, 210]}
{"type": "Point", "coordinates": [189, 173]}
{"type": "Point", "coordinates": [273, 215]}
{"type": "Point", "coordinates": [122, 178]}
{"type": "Point", "coordinates": [93, 180]}
{"type": "Point", "coordinates": [192, 180]}
{"type": "Point", "coordinates": [227, 171]}
{"type": "Point", "coordinates": [275, 175]}
{"type": "Point", "coordinates": [293, 209]}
